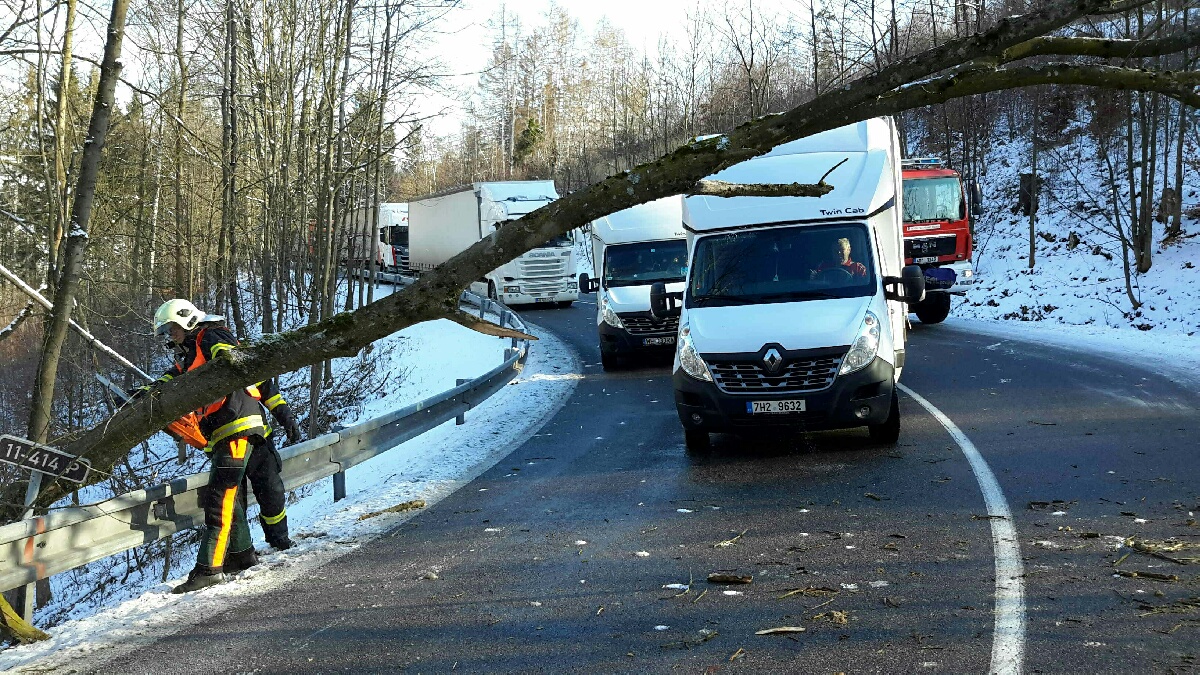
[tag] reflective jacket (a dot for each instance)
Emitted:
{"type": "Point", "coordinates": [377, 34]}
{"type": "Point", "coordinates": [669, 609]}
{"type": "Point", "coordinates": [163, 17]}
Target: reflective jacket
{"type": "Point", "coordinates": [234, 416]}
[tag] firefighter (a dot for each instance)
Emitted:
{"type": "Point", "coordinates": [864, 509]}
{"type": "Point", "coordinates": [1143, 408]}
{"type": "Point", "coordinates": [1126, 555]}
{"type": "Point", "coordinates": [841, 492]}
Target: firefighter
{"type": "Point", "coordinates": [233, 426]}
{"type": "Point", "coordinates": [264, 466]}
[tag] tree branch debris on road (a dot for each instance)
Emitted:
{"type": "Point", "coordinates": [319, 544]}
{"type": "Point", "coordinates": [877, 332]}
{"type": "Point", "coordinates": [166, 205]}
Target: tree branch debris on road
{"type": "Point", "coordinates": [1136, 574]}
{"type": "Point", "coordinates": [781, 630]}
{"type": "Point", "coordinates": [1160, 549]}
{"type": "Point", "coordinates": [399, 508]}
{"type": "Point", "coordinates": [729, 542]}
{"type": "Point", "coordinates": [721, 578]}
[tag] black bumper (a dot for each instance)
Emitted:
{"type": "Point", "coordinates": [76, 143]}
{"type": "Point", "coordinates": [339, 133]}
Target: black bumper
{"type": "Point", "coordinates": [620, 342]}
{"type": "Point", "coordinates": [832, 408]}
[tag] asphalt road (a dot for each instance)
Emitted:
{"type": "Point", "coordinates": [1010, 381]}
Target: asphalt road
{"type": "Point", "coordinates": [884, 555]}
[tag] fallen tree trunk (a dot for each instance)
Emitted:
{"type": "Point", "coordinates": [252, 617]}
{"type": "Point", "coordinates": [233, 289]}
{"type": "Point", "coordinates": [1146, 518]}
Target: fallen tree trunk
{"type": "Point", "coordinates": [909, 83]}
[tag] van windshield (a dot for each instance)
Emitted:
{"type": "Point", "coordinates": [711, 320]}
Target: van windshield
{"type": "Point", "coordinates": [645, 263]}
{"type": "Point", "coordinates": [782, 264]}
{"type": "Point", "coordinates": [932, 199]}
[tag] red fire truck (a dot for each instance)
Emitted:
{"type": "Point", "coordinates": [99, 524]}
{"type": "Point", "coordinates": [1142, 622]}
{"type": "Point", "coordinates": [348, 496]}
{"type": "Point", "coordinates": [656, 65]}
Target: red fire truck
{"type": "Point", "coordinates": [937, 232]}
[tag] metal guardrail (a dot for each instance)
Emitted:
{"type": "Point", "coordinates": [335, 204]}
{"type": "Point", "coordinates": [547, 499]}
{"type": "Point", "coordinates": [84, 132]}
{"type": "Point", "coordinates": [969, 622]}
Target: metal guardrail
{"type": "Point", "coordinates": [68, 538]}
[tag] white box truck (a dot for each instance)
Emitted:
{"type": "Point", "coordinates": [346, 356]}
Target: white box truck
{"type": "Point", "coordinates": [444, 224]}
{"type": "Point", "coordinates": [632, 250]}
{"type": "Point", "coordinates": [793, 316]}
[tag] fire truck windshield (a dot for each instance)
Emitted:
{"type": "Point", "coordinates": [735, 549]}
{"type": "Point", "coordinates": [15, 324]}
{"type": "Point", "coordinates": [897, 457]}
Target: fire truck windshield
{"type": "Point", "coordinates": [932, 199]}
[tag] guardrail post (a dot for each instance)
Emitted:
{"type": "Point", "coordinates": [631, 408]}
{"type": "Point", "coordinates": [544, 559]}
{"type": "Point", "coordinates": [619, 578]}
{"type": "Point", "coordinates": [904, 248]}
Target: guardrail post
{"type": "Point", "coordinates": [339, 486]}
{"type": "Point", "coordinates": [461, 419]}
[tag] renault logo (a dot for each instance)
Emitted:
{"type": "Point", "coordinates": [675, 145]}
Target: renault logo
{"type": "Point", "coordinates": [772, 359]}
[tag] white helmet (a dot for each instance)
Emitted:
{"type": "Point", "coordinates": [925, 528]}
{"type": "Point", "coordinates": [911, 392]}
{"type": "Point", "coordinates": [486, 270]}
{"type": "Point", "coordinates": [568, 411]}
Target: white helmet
{"type": "Point", "coordinates": [179, 312]}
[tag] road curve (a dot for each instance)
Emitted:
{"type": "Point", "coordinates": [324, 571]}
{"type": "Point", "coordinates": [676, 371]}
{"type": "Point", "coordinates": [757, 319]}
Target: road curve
{"type": "Point", "coordinates": [560, 558]}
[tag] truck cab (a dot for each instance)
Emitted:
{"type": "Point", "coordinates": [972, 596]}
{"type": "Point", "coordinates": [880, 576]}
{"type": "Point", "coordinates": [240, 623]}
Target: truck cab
{"type": "Point", "coordinates": [793, 313]}
{"type": "Point", "coordinates": [937, 233]}
{"type": "Point", "coordinates": [634, 249]}
{"type": "Point", "coordinates": [544, 275]}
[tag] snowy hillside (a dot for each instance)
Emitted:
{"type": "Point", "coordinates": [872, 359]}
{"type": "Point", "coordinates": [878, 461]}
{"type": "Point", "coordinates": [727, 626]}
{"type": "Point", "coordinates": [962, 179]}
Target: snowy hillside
{"type": "Point", "coordinates": [1082, 284]}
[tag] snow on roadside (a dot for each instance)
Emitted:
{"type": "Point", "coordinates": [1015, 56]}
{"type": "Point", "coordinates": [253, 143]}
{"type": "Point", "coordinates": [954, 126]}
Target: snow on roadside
{"type": "Point", "coordinates": [1083, 283]}
{"type": "Point", "coordinates": [429, 467]}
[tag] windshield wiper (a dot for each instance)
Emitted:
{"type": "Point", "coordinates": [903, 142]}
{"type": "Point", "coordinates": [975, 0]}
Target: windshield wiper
{"type": "Point", "coordinates": [735, 299]}
{"type": "Point", "coordinates": [802, 295]}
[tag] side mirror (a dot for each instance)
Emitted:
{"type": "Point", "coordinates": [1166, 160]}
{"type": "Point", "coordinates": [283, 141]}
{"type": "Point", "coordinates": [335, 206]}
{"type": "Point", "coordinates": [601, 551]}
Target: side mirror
{"type": "Point", "coordinates": [588, 284]}
{"type": "Point", "coordinates": [664, 305]}
{"type": "Point", "coordinates": [908, 287]}
{"type": "Point", "coordinates": [976, 199]}
{"type": "Point", "coordinates": [658, 299]}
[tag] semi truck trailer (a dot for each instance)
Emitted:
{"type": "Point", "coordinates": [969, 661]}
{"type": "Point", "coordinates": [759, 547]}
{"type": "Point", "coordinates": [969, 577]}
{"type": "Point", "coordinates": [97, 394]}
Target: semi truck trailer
{"type": "Point", "coordinates": [444, 224]}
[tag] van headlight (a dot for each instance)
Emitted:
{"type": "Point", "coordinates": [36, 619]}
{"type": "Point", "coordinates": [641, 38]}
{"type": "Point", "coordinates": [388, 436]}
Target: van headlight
{"type": "Point", "coordinates": [689, 359]}
{"type": "Point", "coordinates": [610, 317]}
{"type": "Point", "coordinates": [865, 346]}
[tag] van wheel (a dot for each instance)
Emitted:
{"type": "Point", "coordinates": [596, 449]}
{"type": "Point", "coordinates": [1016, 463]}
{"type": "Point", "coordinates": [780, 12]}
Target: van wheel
{"type": "Point", "coordinates": [609, 361]}
{"type": "Point", "coordinates": [934, 308]}
{"type": "Point", "coordinates": [565, 304]}
{"type": "Point", "coordinates": [888, 431]}
{"type": "Point", "coordinates": [697, 442]}
{"type": "Point", "coordinates": [492, 294]}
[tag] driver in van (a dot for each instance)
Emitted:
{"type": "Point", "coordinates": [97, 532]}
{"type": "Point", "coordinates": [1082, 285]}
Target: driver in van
{"type": "Point", "coordinates": [841, 260]}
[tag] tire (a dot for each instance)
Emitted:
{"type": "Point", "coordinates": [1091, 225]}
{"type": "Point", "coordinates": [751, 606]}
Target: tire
{"type": "Point", "coordinates": [934, 308]}
{"type": "Point", "coordinates": [492, 294]}
{"type": "Point", "coordinates": [564, 304]}
{"type": "Point", "coordinates": [609, 362]}
{"type": "Point", "coordinates": [697, 442]}
{"type": "Point", "coordinates": [888, 431]}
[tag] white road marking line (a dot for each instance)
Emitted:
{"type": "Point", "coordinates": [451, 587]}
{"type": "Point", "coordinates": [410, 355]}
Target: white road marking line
{"type": "Point", "coordinates": [1008, 637]}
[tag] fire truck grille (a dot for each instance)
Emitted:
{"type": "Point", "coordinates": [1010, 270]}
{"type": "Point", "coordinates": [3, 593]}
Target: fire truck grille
{"type": "Point", "coordinates": [925, 247]}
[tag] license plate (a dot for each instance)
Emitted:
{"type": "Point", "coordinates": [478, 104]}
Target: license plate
{"type": "Point", "coordinates": [919, 261]}
{"type": "Point", "coordinates": [775, 407]}
{"type": "Point", "coordinates": [670, 340]}
{"type": "Point", "coordinates": [543, 299]}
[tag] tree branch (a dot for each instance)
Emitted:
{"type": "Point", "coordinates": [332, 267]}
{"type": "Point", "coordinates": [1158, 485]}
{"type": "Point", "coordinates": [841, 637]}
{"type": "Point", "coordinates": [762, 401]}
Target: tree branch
{"type": "Point", "coordinates": [1101, 47]}
{"type": "Point", "coordinates": [435, 295]}
{"type": "Point", "coordinates": [720, 188]}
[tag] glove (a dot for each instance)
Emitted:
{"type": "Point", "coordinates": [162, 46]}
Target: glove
{"type": "Point", "coordinates": [293, 431]}
{"type": "Point", "coordinates": [137, 392]}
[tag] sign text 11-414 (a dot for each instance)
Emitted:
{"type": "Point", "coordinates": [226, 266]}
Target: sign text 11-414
{"type": "Point", "coordinates": [30, 455]}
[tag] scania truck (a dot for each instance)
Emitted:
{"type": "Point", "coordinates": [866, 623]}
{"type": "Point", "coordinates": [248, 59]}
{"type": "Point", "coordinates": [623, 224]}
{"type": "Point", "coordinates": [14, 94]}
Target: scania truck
{"type": "Point", "coordinates": [444, 224]}
{"type": "Point", "coordinates": [793, 314]}
{"type": "Point", "coordinates": [937, 233]}
{"type": "Point", "coordinates": [632, 250]}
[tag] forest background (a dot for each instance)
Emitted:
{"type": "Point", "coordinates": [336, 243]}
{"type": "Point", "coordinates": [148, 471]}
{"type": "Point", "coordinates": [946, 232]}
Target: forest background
{"type": "Point", "coordinates": [248, 137]}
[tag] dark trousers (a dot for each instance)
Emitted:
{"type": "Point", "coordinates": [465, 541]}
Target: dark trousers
{"type": "Point", "coordinates": [226, 530]}
{"type": "Point", "coordinates": [262, 470]}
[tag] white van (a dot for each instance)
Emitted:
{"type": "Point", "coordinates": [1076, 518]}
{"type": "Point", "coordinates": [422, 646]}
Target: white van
{"type": "Point", "coordinates": [794, 310]}
{"type": "Point", "coordinates": [633, 249]}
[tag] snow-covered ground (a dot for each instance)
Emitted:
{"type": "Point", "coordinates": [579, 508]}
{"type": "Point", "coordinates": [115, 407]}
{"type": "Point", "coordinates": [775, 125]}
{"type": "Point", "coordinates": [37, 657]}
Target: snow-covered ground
{"type": "Point", "coordinates": [429, 467]}
{"type": "Point", "coordinates": [1082, 285]}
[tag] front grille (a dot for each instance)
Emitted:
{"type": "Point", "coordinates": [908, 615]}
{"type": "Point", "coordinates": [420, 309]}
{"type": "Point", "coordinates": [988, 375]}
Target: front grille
{"type": "Point", "coordinates": [643, 324]}
{"type": "Point", "coordinates": [535, 268]}
{"type": "Point", "coordinates": [798, 375]}
{"type": "Point", "coordinates": [924, 247]}
{"type": "Point", "coordinates": [539, 286]}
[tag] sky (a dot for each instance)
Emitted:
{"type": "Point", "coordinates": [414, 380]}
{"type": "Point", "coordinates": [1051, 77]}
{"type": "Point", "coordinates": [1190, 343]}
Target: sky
{"type": "Point", "coordinates": [465, 44]}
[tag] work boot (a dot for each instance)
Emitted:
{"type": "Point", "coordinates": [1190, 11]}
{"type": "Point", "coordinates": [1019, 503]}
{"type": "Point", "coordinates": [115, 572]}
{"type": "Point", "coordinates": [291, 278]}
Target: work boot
{"type": "Point", "coordinates": [242, 560]}
{"type": "Point", "coordinates": [281, 544]}
{"type": "Point", "coordinates": [200, 577]}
